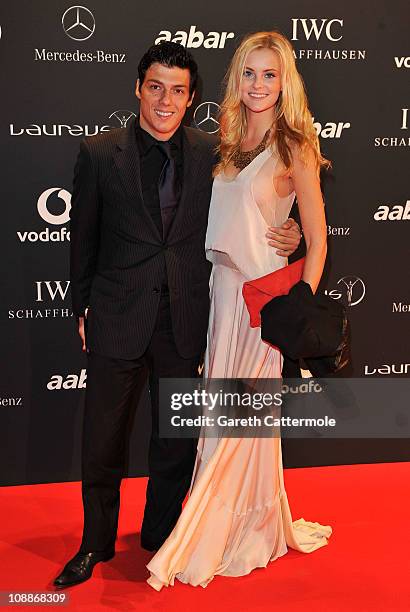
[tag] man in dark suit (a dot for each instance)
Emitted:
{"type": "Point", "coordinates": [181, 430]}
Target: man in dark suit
{"type": "Point", "coordinates": [139, 282]}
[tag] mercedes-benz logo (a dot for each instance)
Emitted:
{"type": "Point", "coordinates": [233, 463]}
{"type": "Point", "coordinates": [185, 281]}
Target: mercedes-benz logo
{"type": "Point", "coordinates": [78, 23]}
{"type": "Point", "coordinates": [355, 285]}
{"type": "Point", "coordinates": [123, 116]}
{"type": "Point", "coordinates": [205, 117]}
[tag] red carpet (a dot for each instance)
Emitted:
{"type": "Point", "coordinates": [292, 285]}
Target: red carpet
{"type": "Point", "coordinates": [364, 567]}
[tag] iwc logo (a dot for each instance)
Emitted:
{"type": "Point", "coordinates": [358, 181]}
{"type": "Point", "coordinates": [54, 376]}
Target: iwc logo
{"type": "Point", "coordinates": [402, 140]}
{"type": "Point", "coordinates": [205, 117]}
{"type": "Point", "coordinates": [330, 31]}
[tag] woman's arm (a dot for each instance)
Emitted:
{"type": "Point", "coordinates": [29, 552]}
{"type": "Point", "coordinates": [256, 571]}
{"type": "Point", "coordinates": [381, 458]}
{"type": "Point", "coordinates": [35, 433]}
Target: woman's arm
{"type": "Point", "coordinates": [312, 215]}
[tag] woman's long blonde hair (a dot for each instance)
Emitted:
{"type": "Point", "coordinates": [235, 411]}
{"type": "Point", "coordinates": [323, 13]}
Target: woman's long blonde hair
{"type": "Point", "coordinates": [293, 120]}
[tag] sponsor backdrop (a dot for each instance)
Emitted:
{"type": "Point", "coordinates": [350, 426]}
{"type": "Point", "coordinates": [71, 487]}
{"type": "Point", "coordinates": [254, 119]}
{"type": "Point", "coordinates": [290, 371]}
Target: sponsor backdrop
{"type": "Point", "coordinates": [69, 71]}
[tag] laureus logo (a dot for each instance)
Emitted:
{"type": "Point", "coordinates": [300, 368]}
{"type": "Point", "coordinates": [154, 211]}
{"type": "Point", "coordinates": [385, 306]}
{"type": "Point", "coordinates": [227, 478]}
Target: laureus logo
{"type": "Point", "coordinates": [351, 288]}
{"type": "Point", "coordinates": [78, 23]}
{"type": "Point", "coordinates": [122, 117]}
{"type": "Point", "coordinates": [205, 117]}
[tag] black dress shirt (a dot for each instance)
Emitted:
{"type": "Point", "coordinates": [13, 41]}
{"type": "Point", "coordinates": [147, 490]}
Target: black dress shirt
{"type": "Point", "coordinates": [152, 160]}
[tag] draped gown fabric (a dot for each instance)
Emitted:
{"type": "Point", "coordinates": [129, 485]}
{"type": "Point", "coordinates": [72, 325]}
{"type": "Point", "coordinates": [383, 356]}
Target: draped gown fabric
{"type": "Point", "coordinates": [237, 515]}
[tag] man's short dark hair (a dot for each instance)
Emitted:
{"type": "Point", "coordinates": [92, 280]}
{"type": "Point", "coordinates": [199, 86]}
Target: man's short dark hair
{"type": "Point", "coordinates": [169, 54]}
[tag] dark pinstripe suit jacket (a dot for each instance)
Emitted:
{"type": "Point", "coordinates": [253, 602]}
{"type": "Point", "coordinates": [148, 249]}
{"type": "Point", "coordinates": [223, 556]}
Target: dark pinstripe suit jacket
{"type": "Point", "coordinates": [117, 254]}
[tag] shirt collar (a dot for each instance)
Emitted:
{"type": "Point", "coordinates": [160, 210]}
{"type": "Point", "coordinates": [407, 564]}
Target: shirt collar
{"type": "Point", "coordinates": [146, 141]}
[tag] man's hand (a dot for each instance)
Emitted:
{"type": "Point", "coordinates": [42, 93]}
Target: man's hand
{"type": "Point", "coordinates": [285, 238]}
{"type": "Point", "coordinates": [81, 331]}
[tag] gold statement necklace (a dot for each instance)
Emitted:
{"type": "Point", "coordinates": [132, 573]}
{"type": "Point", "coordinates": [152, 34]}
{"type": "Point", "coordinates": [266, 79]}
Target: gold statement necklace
{"type": "Point", "coordinates": [241, 159]}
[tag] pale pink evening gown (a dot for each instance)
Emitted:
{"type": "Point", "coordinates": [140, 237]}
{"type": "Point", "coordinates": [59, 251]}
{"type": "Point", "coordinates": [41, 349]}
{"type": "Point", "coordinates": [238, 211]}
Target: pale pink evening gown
{"type": "Point", "coordinates": [237, 516]}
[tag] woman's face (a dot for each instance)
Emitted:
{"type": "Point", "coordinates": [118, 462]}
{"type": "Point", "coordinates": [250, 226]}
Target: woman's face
{"type": "Point", "coordinates": [261, 80]}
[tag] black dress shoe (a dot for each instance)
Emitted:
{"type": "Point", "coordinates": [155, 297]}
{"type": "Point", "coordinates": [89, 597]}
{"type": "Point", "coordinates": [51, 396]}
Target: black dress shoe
{"type": "Point", "coordinates": [80, 568]}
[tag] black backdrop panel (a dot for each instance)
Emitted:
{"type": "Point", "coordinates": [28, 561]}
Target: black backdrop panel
{"type": "Point", "coordinates": [70, 71]}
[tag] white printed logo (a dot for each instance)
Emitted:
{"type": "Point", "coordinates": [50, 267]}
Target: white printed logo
{"type": "Point", "coordinates": [396, 141]}
{"type": "Point", "coordinates": [71, 381]}
{"type": "Point", "coordinates": [402, 62]}
{"type": "Point", "coordinates": [353, 288]}
{"type": "Point", "coordinates": [78, 23]}
{"type": "Point", "coordinates": [393, 213]}
{"type": "Point", "coordinates": [386, 368]}
{"type": "Point", "coordinates": [329, 27]}
{"type": "Point", "coordinates": [195, 38]}
{"type": "Point", "coordinates": [46, 214]}
{"type": "Point", "coordinates": [61, 218]}
{"type": "Point", "coordinates": [122, 116]}
{"type": "Point", "coordinates": [205, 117]}
{"type": "Point", "coordinates": [52, 289]}
{"type": "Point", "coordinates": [330, 130]}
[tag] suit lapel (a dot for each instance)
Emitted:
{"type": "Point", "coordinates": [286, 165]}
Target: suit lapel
{"type": "Point", "coordinates": [191, 164]}
{"type": "Point", "coordinates": [127, 161]}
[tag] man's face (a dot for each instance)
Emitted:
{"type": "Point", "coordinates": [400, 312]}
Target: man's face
{"type": "Point", "coordinates": [164, 98]}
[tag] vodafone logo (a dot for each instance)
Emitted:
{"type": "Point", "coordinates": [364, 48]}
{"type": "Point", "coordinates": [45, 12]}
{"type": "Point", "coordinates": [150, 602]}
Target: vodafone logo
{"type": "Point", "coordinates": [402, 62]}
{"type": "Point", "coordinates": [46, 214]}
{"type": "Point", "coordinates": [59, 196]}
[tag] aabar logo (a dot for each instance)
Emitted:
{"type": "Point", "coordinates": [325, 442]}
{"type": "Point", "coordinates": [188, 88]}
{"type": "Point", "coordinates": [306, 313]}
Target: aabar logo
{"type": "Point", "coordinates": [330, 130]}
{"type": "Point", "coordinates": [195, 38]}
{"type": "Point", "coordinates": [71, 381]}
{"type": "Point", "coordinates": [393, 213]}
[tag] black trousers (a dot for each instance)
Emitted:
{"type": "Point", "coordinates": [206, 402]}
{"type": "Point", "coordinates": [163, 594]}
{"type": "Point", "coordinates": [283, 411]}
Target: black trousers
{"type": "Point", "coordinates": [111, 387]}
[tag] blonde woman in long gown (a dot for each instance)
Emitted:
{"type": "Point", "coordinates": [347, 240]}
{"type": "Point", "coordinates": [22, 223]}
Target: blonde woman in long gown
{"type": "Point", "coordinates": [237, 516]}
